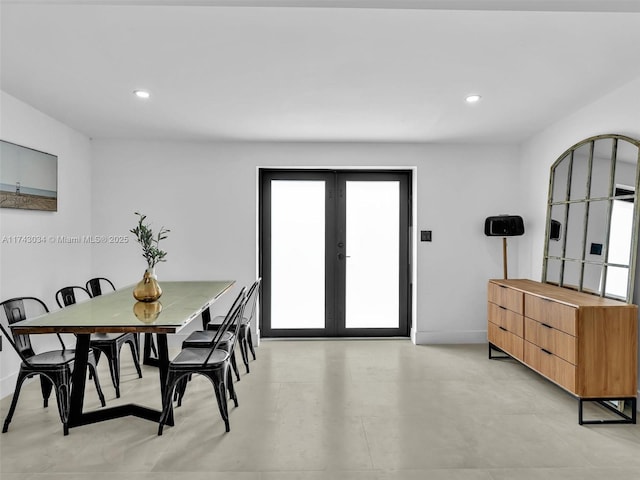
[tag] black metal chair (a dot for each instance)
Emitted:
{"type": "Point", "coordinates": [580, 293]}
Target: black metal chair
{"type": "Point", "coordinates": [245, 339]}
{"type": "Point", "coordinates": [205, 339]}
{"type": "Point", "coordinates": [213, 363]}
{"type": "Point", "coordinates": [54, 367]}
{"type": "Point", "coordinates": [108, 343]}
{"type": "Point", "coordinates": [96, 287]}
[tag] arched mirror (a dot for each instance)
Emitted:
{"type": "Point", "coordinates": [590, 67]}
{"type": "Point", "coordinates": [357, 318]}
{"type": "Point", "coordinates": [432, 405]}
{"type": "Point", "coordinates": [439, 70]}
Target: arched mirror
{"type": "Point", "coordinates": [591, 234]}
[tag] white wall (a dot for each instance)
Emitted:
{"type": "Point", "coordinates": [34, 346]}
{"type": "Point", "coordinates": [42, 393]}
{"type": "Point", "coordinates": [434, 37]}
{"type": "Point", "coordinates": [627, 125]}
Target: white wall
{"type": "Point", "coordinates": [206, 193]}
{"type": "Point", "coordinates": [40, 269]}
{"type": "Point", "coordinates": [617, 112]}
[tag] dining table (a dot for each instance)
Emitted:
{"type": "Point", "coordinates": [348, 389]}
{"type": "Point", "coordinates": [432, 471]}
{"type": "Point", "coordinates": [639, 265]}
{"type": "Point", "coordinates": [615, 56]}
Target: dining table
{"type": "Point", "coordinates": [181, 302]}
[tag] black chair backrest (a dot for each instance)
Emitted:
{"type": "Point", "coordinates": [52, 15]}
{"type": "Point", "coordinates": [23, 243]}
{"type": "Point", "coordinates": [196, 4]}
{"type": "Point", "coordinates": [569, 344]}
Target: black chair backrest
{"type": "Point", "coordinates": [95, 285]}
{"type": "Point", "coordinates": [15, 311]}
{"type": "Point", "coordinates": [252, 297]}
{"type": "Point", "coordinates": [67, 295]}
{"type": "Point", "coordinates": [233, 318]}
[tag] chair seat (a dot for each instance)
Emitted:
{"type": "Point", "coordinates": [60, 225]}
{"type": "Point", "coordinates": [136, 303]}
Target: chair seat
{"type": "Point", "coordinates": [204, 338]}
{"type": "Point", "coordinates": [188, 357]}
{"type": "Point", "coordinates": [56, 358]}
{"type": "Point", "coordinates": [106, 337]}
{"type": "Point", "coordinates": [53, 358]}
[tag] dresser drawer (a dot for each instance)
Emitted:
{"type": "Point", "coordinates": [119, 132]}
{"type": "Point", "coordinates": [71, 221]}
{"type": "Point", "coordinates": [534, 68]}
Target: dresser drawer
{"type": "Point", "coordinates": [506, 297]}
{"type": "Point", "coordinates": [551, 366]}
{"type": "Point", "coordinates": [554, 314]}
{"type": "Point", "coordinates": [555, 341]}
{"type": "Point", "coordinates": [512, 321]}
{"type": "Point", "coordinates": [504, 340]}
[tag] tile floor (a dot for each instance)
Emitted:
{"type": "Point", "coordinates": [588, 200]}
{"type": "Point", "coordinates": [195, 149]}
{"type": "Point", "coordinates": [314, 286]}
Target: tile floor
{"type": "Point", "coordinates": [325, 410]}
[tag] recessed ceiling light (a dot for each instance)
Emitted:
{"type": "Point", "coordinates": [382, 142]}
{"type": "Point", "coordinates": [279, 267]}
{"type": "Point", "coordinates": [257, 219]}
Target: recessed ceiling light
{"type": "Point", "coordinates": [141, 93]}
{"type": "Point", "coordinates": [473, 98]}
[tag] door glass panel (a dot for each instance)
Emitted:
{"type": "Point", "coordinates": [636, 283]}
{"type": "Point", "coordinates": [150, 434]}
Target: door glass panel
{"type": "Point", "coordinates": [372, 252]}
{"type": "Point", "coordinates": [297, 254]}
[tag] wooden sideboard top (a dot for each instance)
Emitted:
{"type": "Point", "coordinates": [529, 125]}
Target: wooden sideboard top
{"type": "Point", "coordinates": [559, 294]}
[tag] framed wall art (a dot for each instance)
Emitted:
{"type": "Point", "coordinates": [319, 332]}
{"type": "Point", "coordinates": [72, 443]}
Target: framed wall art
{"type": "Point", "coordinates": [28, 178]}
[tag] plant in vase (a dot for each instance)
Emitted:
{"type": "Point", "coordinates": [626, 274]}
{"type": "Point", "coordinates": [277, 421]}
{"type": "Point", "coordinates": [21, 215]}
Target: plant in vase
{"type": "Point", "coordinates": [148, 289]}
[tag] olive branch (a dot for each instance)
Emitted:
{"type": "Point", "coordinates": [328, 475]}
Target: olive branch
{"type": "Point", "coordinates": [150, 251]}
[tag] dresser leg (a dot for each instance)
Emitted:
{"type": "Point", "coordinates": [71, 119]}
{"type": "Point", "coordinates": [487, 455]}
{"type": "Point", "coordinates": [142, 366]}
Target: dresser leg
{"type": "Point", "coordinates": [603, 402]}
{"type": "Point", "coordinates": [491, 356]}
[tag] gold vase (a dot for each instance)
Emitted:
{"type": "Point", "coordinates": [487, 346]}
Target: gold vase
{"type": "Point", "coordinates": [147, 289]}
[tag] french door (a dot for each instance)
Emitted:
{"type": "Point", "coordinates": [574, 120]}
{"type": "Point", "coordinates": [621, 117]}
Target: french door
{"type": "Point", "coordinates": [334, 253]}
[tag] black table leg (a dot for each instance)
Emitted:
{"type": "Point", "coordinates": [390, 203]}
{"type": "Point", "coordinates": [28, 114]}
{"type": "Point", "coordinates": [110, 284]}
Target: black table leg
{"type": "Point", "coordinates": [163, 368]}
{"type": "Point", "coordinates": [78, 382]}
{"type": "Point", "coordinates": [147, 359]}
{"type": "Point", "coordinates": [79, 379]}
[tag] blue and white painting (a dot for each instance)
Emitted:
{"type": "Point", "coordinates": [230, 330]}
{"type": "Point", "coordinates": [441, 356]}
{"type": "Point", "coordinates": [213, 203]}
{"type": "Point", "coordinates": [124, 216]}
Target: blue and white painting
{"type": "Point", "coordinates": [28, 178]}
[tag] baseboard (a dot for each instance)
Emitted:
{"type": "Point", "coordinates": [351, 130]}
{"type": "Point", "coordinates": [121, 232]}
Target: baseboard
{"type": "Point", "coordinates": [449, 337]}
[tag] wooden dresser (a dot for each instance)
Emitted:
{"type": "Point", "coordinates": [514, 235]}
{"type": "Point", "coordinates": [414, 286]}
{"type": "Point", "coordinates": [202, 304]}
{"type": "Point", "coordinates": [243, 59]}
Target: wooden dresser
{"type": "Point", "coordinates": [585, 344]}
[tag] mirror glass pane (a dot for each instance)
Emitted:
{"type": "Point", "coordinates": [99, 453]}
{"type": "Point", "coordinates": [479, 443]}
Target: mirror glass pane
{"type": "Point", "coordinates": [592, 280]}
{"type": "Point", "coordinates": [601, 168]}
{"type": "Point", "coordinates": [560, 176]}
{"type": "Point", "coordinates": [617, 280]}
{"type": "Point", "coordinates": [597, 231]}
{"type": "Point", "coordinates": [572, 270]}
{"type": "Point", "coordinates": [620, 232]}
{"type": "Point", "coordinates": [575, 230]}
{"type": "Point", "coordinates": [626, 162]}
{"type": "Point", "coordinates": [580, 172]}
{"type": "Point", "coordinates": [556, 230]}
{"type": "Point", "coordinates": [553, 271]}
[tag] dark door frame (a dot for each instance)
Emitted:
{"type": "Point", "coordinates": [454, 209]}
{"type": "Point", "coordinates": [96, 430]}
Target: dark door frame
{"type": "Point", "coordinates": [334, 280]}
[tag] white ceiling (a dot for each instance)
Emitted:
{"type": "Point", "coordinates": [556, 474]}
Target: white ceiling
{"type": "Point", "coordinates": [316, 70]}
